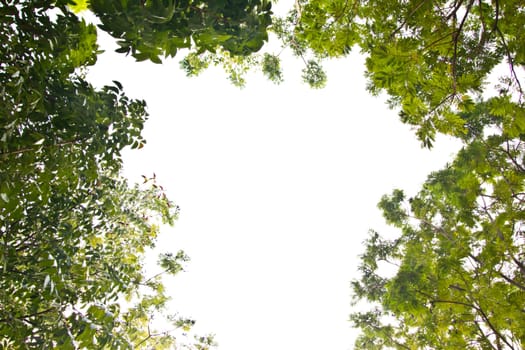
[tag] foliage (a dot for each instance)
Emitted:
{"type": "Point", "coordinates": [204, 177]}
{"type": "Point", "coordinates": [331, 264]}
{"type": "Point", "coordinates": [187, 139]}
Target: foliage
{"type": "Point", "coordinates": [237, 66]}
{"type": "Point", "coordinates": [222, 33]}
{"type": "Point", "coordinates": [79, 5]}
{"type": "Point", "coordinates": [153, 28]}
{"type": "Point", "coordinates": [454, 275]}
{"type": "Point", "coordinates": [271, 67]}
{"type": "Point", "coordinates": [73, 233]}
{"type": "Point", "coordinates": [458, 261]}
{"type": "Point", "coordinates": [431, 57]}
{"type": "Point", "coordinates": [314, 75]}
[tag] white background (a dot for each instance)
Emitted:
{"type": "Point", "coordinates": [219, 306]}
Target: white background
{"type": "Point", "coordinates": [277, 185]}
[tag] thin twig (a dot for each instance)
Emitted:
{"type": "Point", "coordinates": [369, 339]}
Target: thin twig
{"type": "Point", "coordinates": [456, 41]}
{"type": "Point", "coordinates": [30, 149]}
{"type": "Point", "coordinates": [406, 19]}
{"type": "Point", "coordinates": [511, 62]}
{"type": "Point", "coordinates": [455, 10]}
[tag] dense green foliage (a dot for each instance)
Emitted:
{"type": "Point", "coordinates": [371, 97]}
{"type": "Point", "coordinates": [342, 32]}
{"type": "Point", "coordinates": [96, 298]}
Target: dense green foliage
{"type": "Point", "coordinates": [149, 29]}
{"type": "Point", "coordinates": [73, 232]}
{"type": "Point", "coordinates": [459, 257]}
{"type": "Point", "coordinates": [431, 57]}
{"type": "Point", "coordinates": [453, 277]}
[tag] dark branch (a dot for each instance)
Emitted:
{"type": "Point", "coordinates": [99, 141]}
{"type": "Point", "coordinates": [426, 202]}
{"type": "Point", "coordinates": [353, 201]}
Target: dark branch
{"type": "Point", "coordinates": [407, 18]}
{"type": "Point", "coordinates": [456, 41]}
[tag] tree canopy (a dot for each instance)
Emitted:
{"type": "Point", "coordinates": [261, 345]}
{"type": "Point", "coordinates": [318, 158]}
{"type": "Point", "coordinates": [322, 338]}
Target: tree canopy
{"type": "Point", "coordinates": [456, 265]}
{"type": "Point", "coordinates": [149, 29]}
{"type": "Point", "coordinates": [453, 275]}
{"type": "Point", "coordinates": [459, 277]}
{"type": "Point", "coordinates": [432, 58]}
{"type": "Point", "coordinates": [73, 232]}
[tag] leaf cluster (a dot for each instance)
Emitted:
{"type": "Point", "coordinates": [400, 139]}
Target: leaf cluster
{"type": "Point", "coordinates": [458, 266]}
{"type": "Point", "coordinates": [431, 58]}
{"type": "Point", "coordinates": [151, 29]}
{"type": "Point", "coordinates": [73, 232]}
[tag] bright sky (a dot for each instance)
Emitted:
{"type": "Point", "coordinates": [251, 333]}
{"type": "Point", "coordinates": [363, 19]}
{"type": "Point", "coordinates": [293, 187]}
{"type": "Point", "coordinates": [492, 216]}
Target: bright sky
{"type": "Point", "coordinates": [278, 186]}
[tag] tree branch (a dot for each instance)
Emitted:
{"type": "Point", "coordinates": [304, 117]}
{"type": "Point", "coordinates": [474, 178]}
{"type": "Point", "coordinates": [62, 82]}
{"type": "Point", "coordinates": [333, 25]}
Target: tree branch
{"type": "Point", "coordinates": [456, 41]}
{"type": "Point", "coordinates": [485, 336]}
{"type": "Point", "coordinates": [511, 281]}
{"type": "Point", "coordinates": [30, 149]}
{"type": "Point", "coordinates": [512, 159]}
{"type": "Point", "coordinates": [455, 10]}
{"type": "Point", "coordinates": [406, 19]}
{"type": "Point", "coordinates": [491, 326]}
{"type": "Point", "coordinates": [298, 9]}
{"type": "Point", "coordinates": [509, 58]}
{"type": "Point", "coordinates": [26, 317]}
